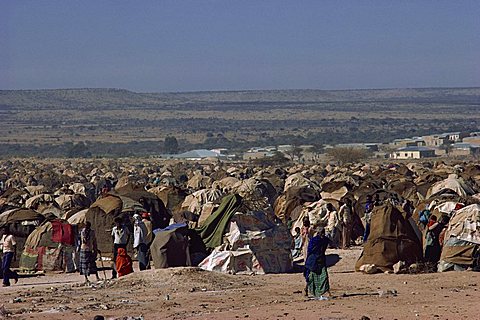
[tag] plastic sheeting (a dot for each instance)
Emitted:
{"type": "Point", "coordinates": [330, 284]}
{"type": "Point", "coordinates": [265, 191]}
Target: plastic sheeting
{"type": "Point", "coordinates": [254, 244]}
{"type": "Point", "coordinates": [465, 224]}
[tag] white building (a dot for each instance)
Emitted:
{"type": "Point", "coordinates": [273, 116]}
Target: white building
{"type": "Point", "coordinates": [413, 153]}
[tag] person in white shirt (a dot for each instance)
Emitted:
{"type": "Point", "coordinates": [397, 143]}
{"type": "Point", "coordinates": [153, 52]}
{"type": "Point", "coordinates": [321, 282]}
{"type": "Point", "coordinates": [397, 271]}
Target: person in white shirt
{"type": "Point", "coordinates": [9, 248]}
{"type": "Point", "coordinates": [333, 224]}
{"type": "Point", "coordinates": [121, 236]}
{"type": "Point", "coordinates": [140, 241]}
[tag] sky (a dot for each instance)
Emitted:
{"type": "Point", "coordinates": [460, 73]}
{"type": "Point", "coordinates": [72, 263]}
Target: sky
{"type": "Point", "coordinates": [202, 45]}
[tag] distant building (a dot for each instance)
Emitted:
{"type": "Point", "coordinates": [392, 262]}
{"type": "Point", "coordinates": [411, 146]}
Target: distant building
{"type": "Point", "coordinates": [221, 151]}
{"type": "Point", "coordinates": [474, 138]}
{"type": "Point", "coordinates": [198, 155]}
{"type": "Point", "coordinates": [373, 147]}
{"type": "Point", "coordinates": [257, 154]}
{"type": "Point", "coordinates": [464, 149]}
{"type": "Point", "coordinates": [435, 140]}
{"type": "Point", "coordinates": [285, 147]}
{"type": "Point", "coordinates": [411, 142]}
{"type": "Point", "coordinates": [456, 136]}
{"type": "Point", "coordinates": [413, 152]}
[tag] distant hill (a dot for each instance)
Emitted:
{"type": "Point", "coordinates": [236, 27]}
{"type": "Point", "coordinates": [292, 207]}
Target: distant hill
{"type": "Point", "coordinates": [97, 98]}
{"type": "Point", "coordinates": [116, 122]}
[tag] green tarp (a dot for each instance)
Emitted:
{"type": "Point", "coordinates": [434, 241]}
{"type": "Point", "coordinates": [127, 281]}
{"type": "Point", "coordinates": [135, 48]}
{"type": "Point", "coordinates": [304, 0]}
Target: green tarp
{"type": "Point", "coordinates": [214, 226]}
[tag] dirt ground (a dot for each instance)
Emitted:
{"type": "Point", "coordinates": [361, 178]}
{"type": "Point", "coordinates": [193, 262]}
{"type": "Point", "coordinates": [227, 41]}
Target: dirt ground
{"type": "Point", "coordinates": [191, 293]}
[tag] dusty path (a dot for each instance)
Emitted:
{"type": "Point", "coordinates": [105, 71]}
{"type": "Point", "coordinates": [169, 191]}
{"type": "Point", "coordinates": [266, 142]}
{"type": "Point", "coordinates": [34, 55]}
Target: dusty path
{"type": "Point", "coordinates": [190, 293]}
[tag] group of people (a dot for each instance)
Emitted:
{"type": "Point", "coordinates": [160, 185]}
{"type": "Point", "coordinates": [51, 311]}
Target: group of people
{"type": "Point", "coordinates": [336, 227]}
{"type": "Point", "coordinates": [121, 234]}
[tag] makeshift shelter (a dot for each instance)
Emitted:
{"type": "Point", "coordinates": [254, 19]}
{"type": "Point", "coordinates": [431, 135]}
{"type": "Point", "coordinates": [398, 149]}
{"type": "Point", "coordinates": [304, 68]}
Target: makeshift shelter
{"type": "Point", "coordinates": [392, 239]}
{"type": "Point", "coordinates": [461, 247]}
{"type": "Point", "coordinates": [21, 222]}
{"type": "Point", "coordinates": [12, 198]}
{"type": "Point", "coordinates": [196, 201]}
{"type": "Point", "coordinates": [226, 184]}
{"type": "Point", "coordinates": [215, 225]}
{"type": "Point", "coordinates": [101, 215]}
{"type": "Point", "coordinates": [170, 247]}
{"type": "Point", "coordinates": [452, 184]}
{"type": "Point", "coordinates": [78, 188]}
{"type": "Point", "coordinates": [294, 197]}
{"type": "Point", "coordinates": [334, 190]}
{"type": "Point", "coordinates": [405, 188]}
{"type": "Point", "coordinates": [199, 181]}
{"type": "Point", "coordinates": [39, 200]}
{"type": "Point", "coordinates": [50, 247]}
{"type": "Point", "coordinates": [69, 201]}
{"type": "Point", "coordinates": [254, 244]}
{"type": "Point", "coordinates": [298, 180]}
{"type": "Point", "coordinates": [171, 196]}
{"type": "Point", "coordinates": [20, 215]}
{"type": "Point", "coordinates": [150, 202]}
{"type": "Point", "coordinates": [78, 218]}
{"type": "Point", "coordinates": [35, 190]}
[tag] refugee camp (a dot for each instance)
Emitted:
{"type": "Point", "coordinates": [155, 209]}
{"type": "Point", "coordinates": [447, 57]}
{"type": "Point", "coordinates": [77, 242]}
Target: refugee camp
{"type": "Point", "coordinates": [103, 225]}
{"type": "Point", "coordinates": [224, 160]}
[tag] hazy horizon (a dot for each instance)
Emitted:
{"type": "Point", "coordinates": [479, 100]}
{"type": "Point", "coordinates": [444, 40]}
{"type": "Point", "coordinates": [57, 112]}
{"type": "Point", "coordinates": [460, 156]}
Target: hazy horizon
{"type": "Point", "coordinates": [194, 46]}
{"type": "Point", "coordinates": [237, 90]}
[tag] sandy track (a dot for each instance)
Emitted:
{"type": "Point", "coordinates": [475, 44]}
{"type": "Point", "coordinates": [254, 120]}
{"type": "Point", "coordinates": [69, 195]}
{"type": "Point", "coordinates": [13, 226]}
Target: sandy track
{"type": "Point", "coordinates": [191, 293]}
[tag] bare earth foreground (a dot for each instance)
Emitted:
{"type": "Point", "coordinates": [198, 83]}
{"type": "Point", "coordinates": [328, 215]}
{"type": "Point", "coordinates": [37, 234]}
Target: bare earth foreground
{"type": "Point", "coordinates": [195, 294]}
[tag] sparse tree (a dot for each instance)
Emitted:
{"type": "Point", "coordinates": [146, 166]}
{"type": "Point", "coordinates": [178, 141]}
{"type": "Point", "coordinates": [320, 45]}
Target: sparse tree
{"type": "Point", "coordinates": [348, 154]}
{"type": "Point", "coordinates": [278, 158]}
{"type": "Point", "coordinates": [79, 150]}
{"type": "Point", "coordinates": [170, 145]}
{"type": "Point", "coordinates": [295, 152]}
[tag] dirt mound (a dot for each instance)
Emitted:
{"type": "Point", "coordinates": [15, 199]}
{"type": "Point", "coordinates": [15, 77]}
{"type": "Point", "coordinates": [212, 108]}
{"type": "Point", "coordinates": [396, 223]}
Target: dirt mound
{"type": "Point", "coordinates": [186, 279]}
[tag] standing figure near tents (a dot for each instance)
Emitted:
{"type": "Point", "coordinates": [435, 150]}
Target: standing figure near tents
{"type": "Point", "coordinates": [9, 248]}
{"type": "Point", "coordinates": [345, 214]}
{"type": "Point", "coordinates": [297, 244]}
{"type": "Point", "coordinates": [149, 237]}
{"type": "Point", "coordinates": [367, 217]}
{"type": "Point", "coordinates": [88, 252]}
{"type": "Point", "coordinates": [307, 233]}
{"type": "Point", "coordinates": [332, 224]}
{"type": "Point", "coordinates": [140, 241]}
{"type": "Point", "coordinates": [123, 263]}
{"type": "Point", "coordinates": [316, 273]}
{"type": "Point", "coordinates": [433, 249]}
{"type": "Point", "coordinates": [121, 236]}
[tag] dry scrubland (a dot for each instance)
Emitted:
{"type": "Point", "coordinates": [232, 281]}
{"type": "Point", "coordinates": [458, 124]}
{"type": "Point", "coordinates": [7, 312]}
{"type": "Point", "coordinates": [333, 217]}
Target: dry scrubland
{"type": "Point", "coordinates": [191, 293]}
{"type": "Point", "coordinates": [44, 118]}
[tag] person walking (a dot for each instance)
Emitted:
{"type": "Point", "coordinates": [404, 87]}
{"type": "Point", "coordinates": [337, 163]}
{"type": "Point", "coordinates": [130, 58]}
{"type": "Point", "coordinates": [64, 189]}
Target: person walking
{"type": "Point", "coordinates": [88, 252]}
{"type": "Point", "coordinates": [9, 249]}
{"type": "Point", "coordinates": [369, 204]}
{"type": "Point", "coordinates": [120, 236]}
{"type": "Point", "coordinates": [306, 233]}
{"type": "Point", "coordinates": [346, 219]}
{"type": "Point", "coordinates": [140, 244]}
{"type": "Point", "coordinates": [297, 244]}
{"type": "Point", "coordinates": [149, 237]}
{"type": "Point", "coordinates": [316, 274]}
{"type": "Point", "coordinates": [333, 224]}
{"type": "Point", "coordinates": [433, 248]}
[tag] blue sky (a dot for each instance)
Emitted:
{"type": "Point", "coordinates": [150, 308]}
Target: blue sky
{"type": "Point", "coordinates": [153, 46]}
